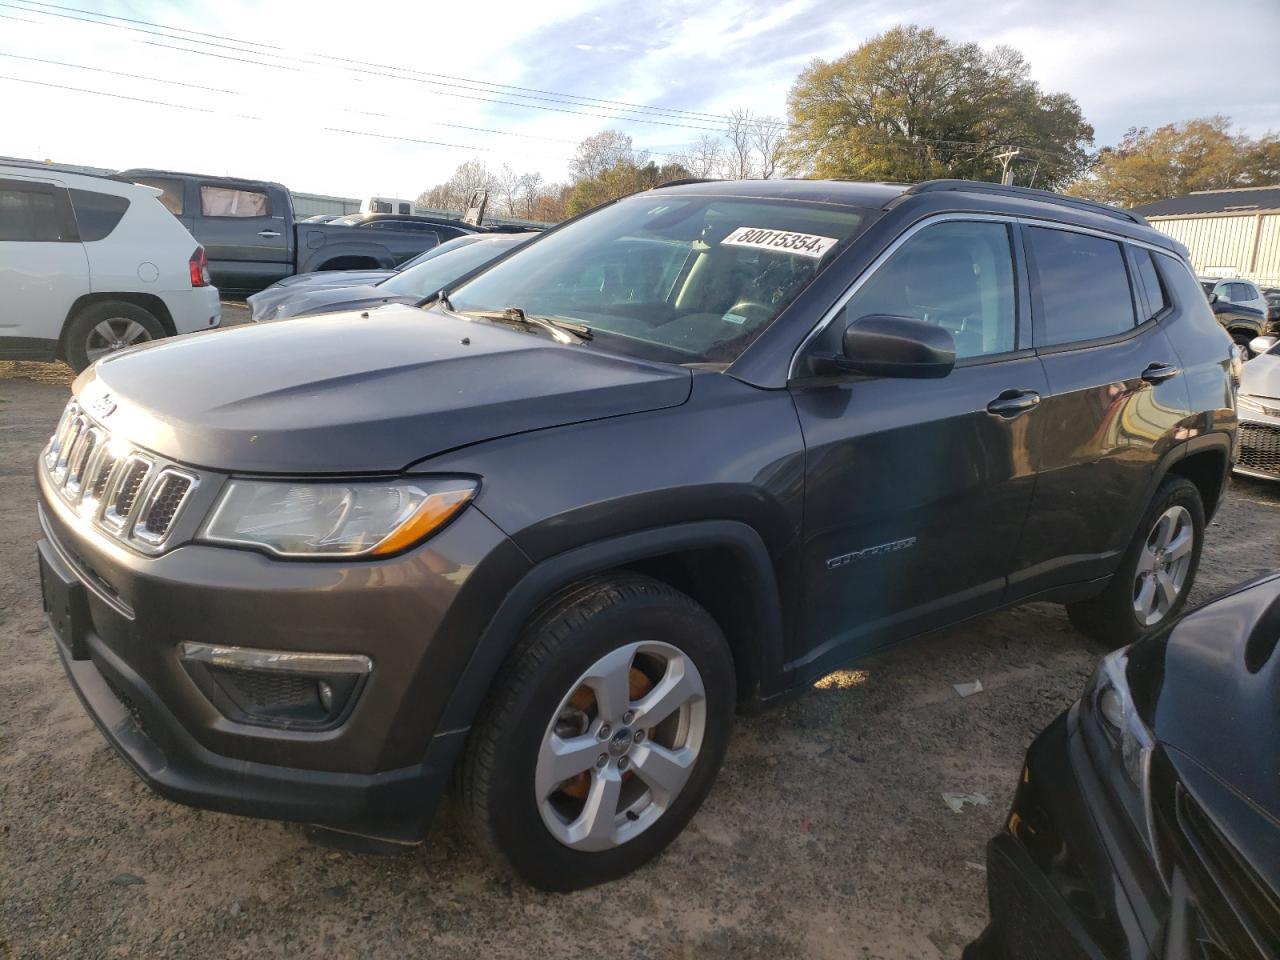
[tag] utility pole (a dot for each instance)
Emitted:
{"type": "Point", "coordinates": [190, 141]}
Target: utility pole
{"type": "Point", "coordinates": [1005, 159]}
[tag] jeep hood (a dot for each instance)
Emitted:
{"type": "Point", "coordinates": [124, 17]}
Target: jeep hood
{"type": "Point", "coordinates": [357, 392]}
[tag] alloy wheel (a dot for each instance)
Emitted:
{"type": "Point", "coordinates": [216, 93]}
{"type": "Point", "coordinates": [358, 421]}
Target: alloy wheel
{"type": "Point", "coordinates": [114, 334]}
{"type": "Point", "coordinates": [621, 746]}
{"type": "Point", "coordinates": [1163, 565]}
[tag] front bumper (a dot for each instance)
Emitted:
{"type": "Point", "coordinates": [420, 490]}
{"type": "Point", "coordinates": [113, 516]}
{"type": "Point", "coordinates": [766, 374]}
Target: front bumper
{"type": "Point", "coordinates": [1067, 878]}
{"type": "Point", "coordinates": [381, 770]}
{"type": "Point", "coordinates": [1258, 442]}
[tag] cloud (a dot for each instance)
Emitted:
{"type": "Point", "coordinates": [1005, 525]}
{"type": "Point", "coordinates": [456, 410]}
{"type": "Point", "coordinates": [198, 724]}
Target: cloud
{"type": "Point", "coordinates": [1136, 63]}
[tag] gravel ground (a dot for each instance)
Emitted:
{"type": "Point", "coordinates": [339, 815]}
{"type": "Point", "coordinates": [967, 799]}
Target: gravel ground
{"type": "Point", "coordinates": [826, 835]}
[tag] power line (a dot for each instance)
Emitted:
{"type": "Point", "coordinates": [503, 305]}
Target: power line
{"type": "Point", "coordinates": [118, 73]}
{"type": "Point", "coordinates": [531, 93]}
{"type": "Point", "coordinates": [471, 148]}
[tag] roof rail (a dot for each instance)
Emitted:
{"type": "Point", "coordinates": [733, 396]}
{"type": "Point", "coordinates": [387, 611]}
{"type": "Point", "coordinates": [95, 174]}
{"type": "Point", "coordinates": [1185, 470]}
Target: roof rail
{"type": "Point", "coordinates": [683, 180]}
{"type": "Point", "coordinates": [1030, 193]}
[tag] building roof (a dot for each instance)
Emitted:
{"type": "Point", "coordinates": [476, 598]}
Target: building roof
{"type": "Point", "coordinates": [1242, 200]}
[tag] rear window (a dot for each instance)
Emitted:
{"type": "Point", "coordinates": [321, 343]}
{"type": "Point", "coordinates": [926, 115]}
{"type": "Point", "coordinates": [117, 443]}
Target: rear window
{"type": "Point", "coordinates": [31, 214]}
{"type": "Point", "coordinates": [1149, 280]}
{"type": "Point", "coordinates": [1081, 287]}
{"type": "Point", "coordinates": [97, 213]}
{"type": "Point", "coordinates": [170, 192]}
{"type": "Point", "coordinates": [231, 202]}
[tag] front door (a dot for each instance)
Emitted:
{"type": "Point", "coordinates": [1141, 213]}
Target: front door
{"type": "Point", "coordinates": [916, 490]}
{"type": "Point", "coordinates": [247, 242]}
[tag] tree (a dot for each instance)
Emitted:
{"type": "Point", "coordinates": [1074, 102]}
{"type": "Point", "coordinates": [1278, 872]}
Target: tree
{"type": "Point", "coordinates": [704, 158]}
{"type": "Point", "coordinates": [1262, 162]}
{"type": "Point", "coordinates": [606, 166]}
{"type": "Point", "coordinates": [455, 193]}
{"type": "Point", "coordinates": [910, 104]}
{"type": "Point", "coordinates": [768, 138]}
{"type": "Point", "coordinates": [508, 184]}
{"type": "Point", "coordinates": [739, 134]}
{"type": "Point", "coordinates": [1169, 161]}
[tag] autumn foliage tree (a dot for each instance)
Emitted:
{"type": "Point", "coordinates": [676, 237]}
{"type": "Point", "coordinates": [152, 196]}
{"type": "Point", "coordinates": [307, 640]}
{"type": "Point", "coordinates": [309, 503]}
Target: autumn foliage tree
{"type": "Point", "coordinates": [912, 105]}
{"type": "Point", "coordinates": [1177, 159]}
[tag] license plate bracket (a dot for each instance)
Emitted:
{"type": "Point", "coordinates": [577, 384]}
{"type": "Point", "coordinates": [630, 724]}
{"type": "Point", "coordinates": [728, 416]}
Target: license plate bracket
{"type": "Point", "coordinates": [66, 602]}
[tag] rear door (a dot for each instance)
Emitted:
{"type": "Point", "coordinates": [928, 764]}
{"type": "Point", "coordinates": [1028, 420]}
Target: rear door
{"type": "Point", "coordinates": [916, 490]}
{"type": "Point", "coordinates": [43, 270]}
{"type": "Point", "coordinates": [247, 241]}
{"type": "Point", "coordinates": [1116, 396]}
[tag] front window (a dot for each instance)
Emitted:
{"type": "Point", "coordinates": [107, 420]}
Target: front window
{"type": "Point", "coordinates": [676, 278]}
{"type": "Point", "coordinates": [437, 273]}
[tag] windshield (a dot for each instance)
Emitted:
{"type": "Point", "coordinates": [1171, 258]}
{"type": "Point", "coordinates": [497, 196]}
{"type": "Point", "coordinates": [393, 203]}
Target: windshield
{"type": "Point", "coordinates": [446, 266]}
{"type": "Point", "coordinates": [676, 278]}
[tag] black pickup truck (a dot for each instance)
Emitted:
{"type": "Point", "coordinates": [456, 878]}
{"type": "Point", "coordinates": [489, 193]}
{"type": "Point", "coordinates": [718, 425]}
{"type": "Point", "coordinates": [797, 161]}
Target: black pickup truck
{"type": "Point", "coordinates": [248, 230]}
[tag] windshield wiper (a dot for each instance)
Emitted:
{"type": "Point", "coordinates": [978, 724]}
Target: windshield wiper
{"type": "Point", "coordinates": [560, 329]}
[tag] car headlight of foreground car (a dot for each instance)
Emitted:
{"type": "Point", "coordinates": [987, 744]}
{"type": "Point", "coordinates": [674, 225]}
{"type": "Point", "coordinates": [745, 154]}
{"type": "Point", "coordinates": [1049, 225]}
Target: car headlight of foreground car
{"type": "Point", "coordinates": [335, 518]}
{"type": "Point", "coordinates": [1126, 737]}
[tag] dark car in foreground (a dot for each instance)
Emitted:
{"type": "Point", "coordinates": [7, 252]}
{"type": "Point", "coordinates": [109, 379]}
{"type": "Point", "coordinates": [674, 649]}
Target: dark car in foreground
{"type": "Point", "coordinates": [428, 273]}
{"type": "Point", "coordinates": [1146, 823]}
{"type": "Point", "coordinates": [681, 456]}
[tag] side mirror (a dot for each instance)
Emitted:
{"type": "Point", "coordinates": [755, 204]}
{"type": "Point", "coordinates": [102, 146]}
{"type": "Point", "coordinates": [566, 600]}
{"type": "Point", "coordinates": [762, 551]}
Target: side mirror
{"type": "Point", "coordinates": [888, 346]}
{"type": "Point", "coordinates": [1213, 298]}
{"type": "Point", "coordinates": [1260, 345]}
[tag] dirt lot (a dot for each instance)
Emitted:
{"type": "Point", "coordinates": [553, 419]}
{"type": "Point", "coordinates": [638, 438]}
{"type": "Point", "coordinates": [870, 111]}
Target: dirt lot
{"type": "Point", "coordinates": [826, 835]}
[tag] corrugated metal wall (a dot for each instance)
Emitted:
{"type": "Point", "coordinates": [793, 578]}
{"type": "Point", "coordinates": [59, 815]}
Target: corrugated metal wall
{"type": "Point", "coordinates": [313, 204]}
{"type": "Point", "coordinates": [1246, 246]}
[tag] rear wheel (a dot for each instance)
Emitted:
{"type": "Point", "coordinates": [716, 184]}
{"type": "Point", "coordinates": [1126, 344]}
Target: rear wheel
{"type": "Point", "coordinates": [1150, 586]}
{"type": "Point", "coordinates": [102, 328]}
{"type": "Point", "coordinates": [602, 735]}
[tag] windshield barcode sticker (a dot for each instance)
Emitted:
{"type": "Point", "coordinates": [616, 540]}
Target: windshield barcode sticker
{"type": "Point", "coordinates": [781, 241]}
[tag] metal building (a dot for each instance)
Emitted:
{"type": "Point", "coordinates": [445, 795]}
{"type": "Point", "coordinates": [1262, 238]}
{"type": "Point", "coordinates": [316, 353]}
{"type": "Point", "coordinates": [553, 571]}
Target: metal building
{"type": "Point", "coordinates": [1230, 233]}
{"type": "Point", "coordinates": [312, 204]}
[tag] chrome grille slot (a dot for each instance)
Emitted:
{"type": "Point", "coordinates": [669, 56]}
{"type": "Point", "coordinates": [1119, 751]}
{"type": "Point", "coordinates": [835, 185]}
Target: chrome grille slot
{"type": "Point", "coordinates": [120, 491]}
{"type": "Point", "coordinates": [100, 473]}
{"type": "Point", "coordinates": [89, 442]}
{"type": "Point", "coordinates": [69, 414]}
{"type": "Point", "coordinates": [75, 428]}
{"type": "Point", "coordinates": [125, 490]}
{"type": "Point", "coordinates": [164, 500]}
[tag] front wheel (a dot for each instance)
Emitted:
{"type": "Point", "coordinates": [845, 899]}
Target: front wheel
{"type": "Point", "coordinates": [1151, 584]}
{"type": "Point", "coordinates": [602, 735]}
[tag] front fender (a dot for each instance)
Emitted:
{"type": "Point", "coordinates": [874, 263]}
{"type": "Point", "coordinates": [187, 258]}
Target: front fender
{"type": "Point", "coordinates": [545, 578]}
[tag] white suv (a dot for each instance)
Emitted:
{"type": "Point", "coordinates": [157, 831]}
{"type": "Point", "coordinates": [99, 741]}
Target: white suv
{"type": "Point", "coordinates": [89, 266]}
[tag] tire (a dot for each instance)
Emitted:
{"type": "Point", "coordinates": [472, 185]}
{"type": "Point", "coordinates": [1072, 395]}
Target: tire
{"type": "Point", "coordinates": [1113, 617]}
{"type": "Point", "coordinates": [543, 686]}
{"type": "Point", "coordinates": [87, 331]}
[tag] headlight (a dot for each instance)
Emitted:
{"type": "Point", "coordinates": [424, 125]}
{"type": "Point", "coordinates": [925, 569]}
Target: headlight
{"type": "Point", "coordinates": [1128, 738]}
{"type": "Point", "coordinates": [338, 519]}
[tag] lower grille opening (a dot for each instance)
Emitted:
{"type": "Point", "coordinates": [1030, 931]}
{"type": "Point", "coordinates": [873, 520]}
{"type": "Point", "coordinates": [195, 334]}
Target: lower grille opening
{"type": "Point", "coordinates": [1259, 448]}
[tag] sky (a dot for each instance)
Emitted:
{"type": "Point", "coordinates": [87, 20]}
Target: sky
{"type": "Point", "coordinates": [328, 101]}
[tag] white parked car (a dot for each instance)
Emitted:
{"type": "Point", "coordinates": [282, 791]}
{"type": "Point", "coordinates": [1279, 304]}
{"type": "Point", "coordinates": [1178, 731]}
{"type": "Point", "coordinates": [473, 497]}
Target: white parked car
{"type": "Point", "coordinates": [1240, 293]}
{"type": "Point", "coordinates": [89, 266]}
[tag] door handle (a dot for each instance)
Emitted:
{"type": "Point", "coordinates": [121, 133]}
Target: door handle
{"type": "Point", "coordinates": [1159, 372]}
{"type": "Point", "coordinates": [1010, 403]}
{"type": "Point", "coordinates": [268, 233]}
